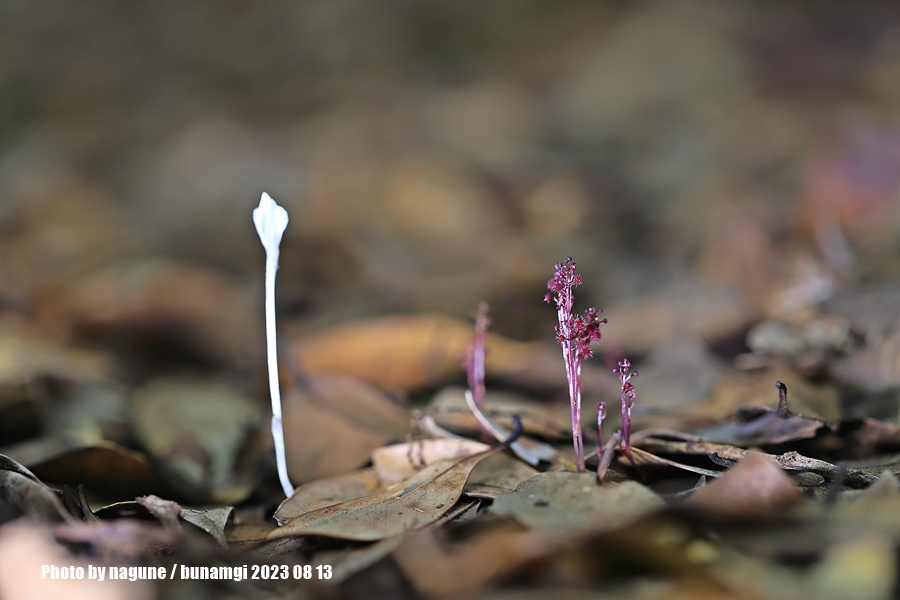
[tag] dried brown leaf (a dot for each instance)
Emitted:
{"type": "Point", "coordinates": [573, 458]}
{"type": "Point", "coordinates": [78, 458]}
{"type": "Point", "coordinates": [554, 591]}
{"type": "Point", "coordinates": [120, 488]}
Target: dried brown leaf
{"type": "Point", "coordinates": [435, 570]}
{"type": "Point", "coordinates": [91, 466]}
{"type": "Point", "coordinates": [754, 486]}
{"type": "Point", "coordinates": [406, 352]}
{"type": "Point", "coordinates": [400, 461]}
{"type": "Point", "coordinates": [405, 506]}
{"type": "Point", "coordinates": [333, 424]}
{"type": "Point", "coordinates": [327, 492]}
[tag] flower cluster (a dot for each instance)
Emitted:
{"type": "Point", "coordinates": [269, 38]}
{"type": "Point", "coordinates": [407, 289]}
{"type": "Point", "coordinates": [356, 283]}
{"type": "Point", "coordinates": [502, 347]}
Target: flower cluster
{"type": "Point", "coordinates": [628, 396]}
{"type": "Point", "coordinates": [575, 334]}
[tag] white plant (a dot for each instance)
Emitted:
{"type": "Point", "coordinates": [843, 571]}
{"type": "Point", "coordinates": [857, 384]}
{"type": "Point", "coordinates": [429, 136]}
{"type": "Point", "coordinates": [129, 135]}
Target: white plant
{"type": "Point", "coordinates": [271, 221]}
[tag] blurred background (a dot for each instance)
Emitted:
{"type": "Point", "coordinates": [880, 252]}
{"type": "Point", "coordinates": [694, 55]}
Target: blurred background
{"type": "Point", "coordinates": [435, 154]}
{"type": "Point", "coordinates": [708, 165]}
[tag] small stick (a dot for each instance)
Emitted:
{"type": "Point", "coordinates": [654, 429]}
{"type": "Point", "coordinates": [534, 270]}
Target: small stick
{"type": "Point", "coordinates": [783, 410]}
{"type": "Point", "coordinates": [271, 220]}
{"type": "Point", "coordinates": [606, 457]}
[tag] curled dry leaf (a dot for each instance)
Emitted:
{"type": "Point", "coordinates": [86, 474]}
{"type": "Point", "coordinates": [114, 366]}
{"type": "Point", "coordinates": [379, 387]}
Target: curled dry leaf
{"type": "Point", "coordinates": [497, 475]}
{"type": "Point", "coordinates": [563, 504]}
{"type": "Point", "coordinates": [406, 352]}
{"type": "Point", "coordinates": [400, 461]}
{"type": "Point", "coordinates": [332, 408]}
{"type": "Point", "coordinates": [165, 511]}
{"type": "Point", "coordinates": [23, 491]}
{"type": "Point", "coordinates": [754, 486]}
{"type": "Point", "coordinates": [763, 426]}
{"type": "Point", "coordinates": [404, 506]}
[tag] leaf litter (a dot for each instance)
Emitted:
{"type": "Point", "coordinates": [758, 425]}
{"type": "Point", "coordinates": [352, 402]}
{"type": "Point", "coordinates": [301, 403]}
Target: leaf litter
{"type": "Point", "coordinates": [709, 498]}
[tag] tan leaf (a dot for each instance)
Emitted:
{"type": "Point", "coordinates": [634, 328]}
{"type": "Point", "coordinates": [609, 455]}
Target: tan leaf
{"type": "Point", "coordinates": [327, 492]}
{"type": "Point", "coordinates": [407, 352]}
{"type": "Point", "coordinates": [400, 461]}
{"type": "Point", "coordinates": [753, 486]}
{"type": "Point", "coordinates": [404, 506]}
{"type": "Point", "coordinates": [437, 571]}
{"type": "Point", "coordinates": [334, 424]}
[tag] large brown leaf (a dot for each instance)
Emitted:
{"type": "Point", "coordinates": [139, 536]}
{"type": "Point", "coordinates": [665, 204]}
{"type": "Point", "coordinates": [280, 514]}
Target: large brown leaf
{"type": "Point", "coordinates": [404, 506]}
{"type": "Point", "coordinates": [332, 424]}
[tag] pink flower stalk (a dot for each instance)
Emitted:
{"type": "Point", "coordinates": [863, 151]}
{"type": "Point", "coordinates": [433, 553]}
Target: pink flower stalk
{"type": "Point", "coordinates": [628, 397]}
{"type": "Point", "coordinates": [474, 360]}
{"type": "Point", "coordinates": [574, 334]}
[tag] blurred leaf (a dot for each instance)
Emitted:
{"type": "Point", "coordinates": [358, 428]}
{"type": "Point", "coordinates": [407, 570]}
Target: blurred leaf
{"type": "Point", "coordinates": [23, 492]}
{"type": "Point", "coordinates": [563, 504]}
{"type": "Point", "coordinates": [25, 548]}
{"type": "Point", "coordinates": [436, 569]}
{"type": "Point", "coordinates": [202, 434]}
{"type": "Point", "coordinates": [755, 486]}
{"type": "Point", "coordinates": [408, 352]}
{"type": "Point", "coordinates": [332, 424]}
{"type": "Point", "coordinates": [106, 468]}
{"type": "Point", "coordinates": [496, 475]}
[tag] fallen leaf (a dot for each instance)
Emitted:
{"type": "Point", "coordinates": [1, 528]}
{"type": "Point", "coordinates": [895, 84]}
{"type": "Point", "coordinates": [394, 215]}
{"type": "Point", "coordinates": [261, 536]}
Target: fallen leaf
{"type": "Point", "coordinates": [26, 354]}
{"type": "Point", "coordinates": [762, 426]}
{"type": "Point", "coordinates": [333, 424]}
{"type": "Point", "coordinates": [754, 486]}
{"type": "Point", "coordinates": [496, 475]}
{"type": "Point", "coordinates": [400, 461]}
{"type": "Point", "coordinates": [91, 466]}
{"type": "Point", "coordinates": [165, 511]}
{"type": "Point", "coordinates": [23, 491]}
{"type": "Point", "coordinates": [351, 560]}
{"type": "Point", "coordinates": [865, 567]}
{"type": "Point", "coordinates": [548, 421]}
{"type": "Point", "coordinates": [408, 352]}
{"type": "Point", "coordinates": [199, 316]}
{"type": "Point", "coordinates": [203, 434]}
{"type": "Point", "coordinates": [436, 570]}
{"type": "Point", "coordinates": [327, 492]}
{"type": "Point", "coordinates": [211, 520]}
{"type": "Point", "coordinates": [564, 504]}
{"type": "Point", "coordinates": [404, 506]}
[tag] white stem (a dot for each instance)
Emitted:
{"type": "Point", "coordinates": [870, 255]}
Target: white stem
{"type": "Point", "coordinates": [274, 386]}
{"type": "Point", "coordinates": [271, 220]}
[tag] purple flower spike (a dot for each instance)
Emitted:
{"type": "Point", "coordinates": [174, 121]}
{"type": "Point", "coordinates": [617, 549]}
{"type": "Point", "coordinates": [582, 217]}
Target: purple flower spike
{"type": "Point", "coordinates": [575, 334]}
{"type": "Point", "coordinates": [628, 396]}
